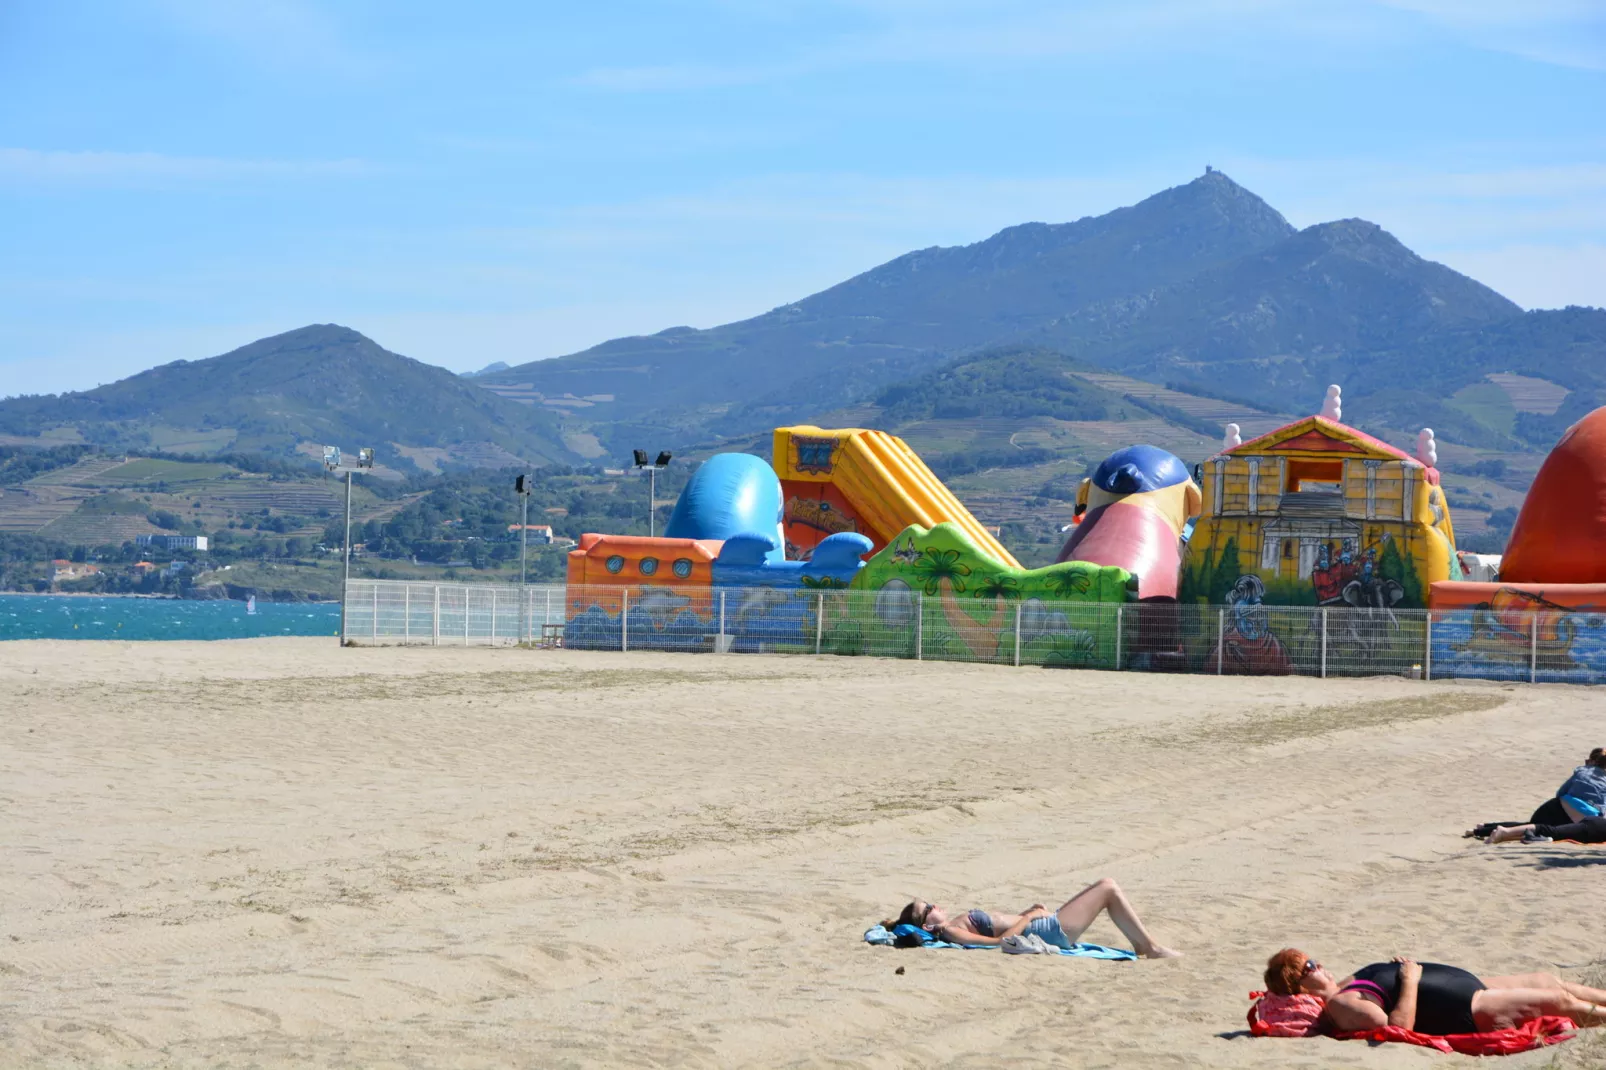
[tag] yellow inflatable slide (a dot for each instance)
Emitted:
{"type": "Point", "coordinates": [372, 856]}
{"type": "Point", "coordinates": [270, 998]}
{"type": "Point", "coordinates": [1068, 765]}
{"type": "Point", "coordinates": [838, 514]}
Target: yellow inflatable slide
{"type": "Point", "coordinates": [865, 481]}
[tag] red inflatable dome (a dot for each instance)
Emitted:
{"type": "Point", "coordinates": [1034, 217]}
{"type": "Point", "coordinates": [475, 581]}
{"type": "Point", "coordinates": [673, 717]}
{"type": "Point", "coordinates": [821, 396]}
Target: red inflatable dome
{"type": "Point", "coordinates": [1560, 535]}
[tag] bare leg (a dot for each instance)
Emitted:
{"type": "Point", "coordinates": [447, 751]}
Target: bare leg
{"type": "Point", "coordinates": [1551, 981]}
{"type": "Point", "coordinates": [1507, 1008]}
{"type": "Point", "coordinates": [1080, 911]}
{"type": "Point", "coordinates": [1510, 832]}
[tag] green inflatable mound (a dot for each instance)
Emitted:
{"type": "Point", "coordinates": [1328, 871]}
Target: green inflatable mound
{"type": "Point", "coordinates": [933, 590]}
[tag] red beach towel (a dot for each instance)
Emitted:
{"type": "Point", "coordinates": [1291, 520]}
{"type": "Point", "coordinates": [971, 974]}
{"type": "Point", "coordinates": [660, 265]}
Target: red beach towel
{"type": "Point", "coordinates": [1296, 1016]}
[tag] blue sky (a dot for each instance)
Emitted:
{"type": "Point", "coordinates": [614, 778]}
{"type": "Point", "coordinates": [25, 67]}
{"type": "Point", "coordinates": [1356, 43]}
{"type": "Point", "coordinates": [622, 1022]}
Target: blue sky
{"type": "Point", "coordinates": [508, 181]}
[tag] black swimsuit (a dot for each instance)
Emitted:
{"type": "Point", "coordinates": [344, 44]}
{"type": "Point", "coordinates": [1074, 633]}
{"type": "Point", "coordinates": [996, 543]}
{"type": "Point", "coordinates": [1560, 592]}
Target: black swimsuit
{"type": "Point", "coordinates": [1443, 996]}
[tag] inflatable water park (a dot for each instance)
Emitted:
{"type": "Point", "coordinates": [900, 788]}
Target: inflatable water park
{"type": "Point", "coordinates": [845, 542]}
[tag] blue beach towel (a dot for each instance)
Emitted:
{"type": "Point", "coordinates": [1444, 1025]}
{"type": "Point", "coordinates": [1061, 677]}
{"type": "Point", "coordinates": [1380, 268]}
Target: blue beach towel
{"type": "Point", "coordinates": [881, 935]}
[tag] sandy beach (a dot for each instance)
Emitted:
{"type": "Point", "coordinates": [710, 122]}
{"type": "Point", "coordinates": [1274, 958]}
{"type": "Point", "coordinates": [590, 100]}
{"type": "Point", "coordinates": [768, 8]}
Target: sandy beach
{"type": "Point", "coordinates": [276, 852]}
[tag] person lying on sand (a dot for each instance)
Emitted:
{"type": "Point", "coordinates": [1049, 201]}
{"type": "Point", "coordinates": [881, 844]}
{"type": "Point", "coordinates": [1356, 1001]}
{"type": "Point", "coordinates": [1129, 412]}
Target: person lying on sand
{"type": "Point", "coordinates": [1060, 927]}
{"type": "Point", "coordinates": [1583, 796]}
{"type": "Point", "coordinates": [1430, 998]}
{"type": "Point", "coordinates": [1590, 830]}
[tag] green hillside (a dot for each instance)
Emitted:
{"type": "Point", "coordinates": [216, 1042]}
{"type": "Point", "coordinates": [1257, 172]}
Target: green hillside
{"type": "Point", "coordinates": [316, 385]}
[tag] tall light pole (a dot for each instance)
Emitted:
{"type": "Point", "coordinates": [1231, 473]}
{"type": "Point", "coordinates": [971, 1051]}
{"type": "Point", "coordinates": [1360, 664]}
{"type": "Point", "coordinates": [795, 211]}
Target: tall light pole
{"type": "Point", "coordinates": [521, 486]}
{"type": "Point", "coordinates": [331, 461]}
{"type": "Point", "coordinates": [652, 469]}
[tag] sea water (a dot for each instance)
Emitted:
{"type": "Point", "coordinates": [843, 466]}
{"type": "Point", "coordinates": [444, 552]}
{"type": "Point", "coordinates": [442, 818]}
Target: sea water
{"type": "Point", "coordinates": [87, 617]}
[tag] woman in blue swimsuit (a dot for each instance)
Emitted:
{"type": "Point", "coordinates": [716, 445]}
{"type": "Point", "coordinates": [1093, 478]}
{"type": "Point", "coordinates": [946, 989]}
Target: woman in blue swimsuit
{"type": "Point", "coordinates": [1059, 927]}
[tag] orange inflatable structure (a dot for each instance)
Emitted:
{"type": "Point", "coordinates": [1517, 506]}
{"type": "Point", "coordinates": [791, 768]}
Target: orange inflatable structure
{"type": "Point", "coordinates": [1560, 535]}
{"type": "Point", "coordinates": [1545, 619]}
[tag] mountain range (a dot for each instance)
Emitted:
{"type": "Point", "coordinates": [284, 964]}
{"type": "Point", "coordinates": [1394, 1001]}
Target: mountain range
{"type": "Point", "coordinates": [1203, 291]}
{"type": "Point", "coordinates": [1203, 287]}
{"type": "Point", "coordinates": [319, 384]}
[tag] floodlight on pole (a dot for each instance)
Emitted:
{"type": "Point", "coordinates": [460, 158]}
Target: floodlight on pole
{"type": "Point", "coordinates": [652, 468]}
{"type": "Point", "coordinates": [521, 487]}
{"type": "Point", "coordinates": [332, 462]}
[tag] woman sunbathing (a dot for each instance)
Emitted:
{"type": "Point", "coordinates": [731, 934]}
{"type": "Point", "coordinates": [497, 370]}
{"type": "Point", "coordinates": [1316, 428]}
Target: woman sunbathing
{"type": "Point", "coordinates": [1059, 928]}
{"type": "Point", "coordinates": [1430, 998]}
{"type": "Point", "coordinates": [1582, 797]}
{"type": "Point", "coordinates": [1589, 830]}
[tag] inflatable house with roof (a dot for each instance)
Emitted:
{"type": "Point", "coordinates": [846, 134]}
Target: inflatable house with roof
{"type": "Point", "coordinates": [1318, 513]}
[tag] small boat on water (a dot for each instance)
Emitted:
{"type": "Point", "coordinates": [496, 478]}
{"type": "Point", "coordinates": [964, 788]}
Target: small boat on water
{"type": "Point", "coordinates": [250, 605]}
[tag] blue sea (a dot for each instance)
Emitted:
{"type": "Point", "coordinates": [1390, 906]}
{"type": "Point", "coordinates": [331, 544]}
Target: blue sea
{"type": "Point", "coordinates": [80, 617]}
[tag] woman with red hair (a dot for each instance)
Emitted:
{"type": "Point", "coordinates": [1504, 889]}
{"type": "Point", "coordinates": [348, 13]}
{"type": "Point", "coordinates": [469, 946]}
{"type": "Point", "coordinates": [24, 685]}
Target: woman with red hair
{"type": "Point", "coordinates": [1430, 998]}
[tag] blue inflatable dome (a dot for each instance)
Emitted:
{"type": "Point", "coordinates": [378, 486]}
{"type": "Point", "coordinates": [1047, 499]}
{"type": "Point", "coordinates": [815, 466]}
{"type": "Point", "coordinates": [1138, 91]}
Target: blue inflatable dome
{"type": "Point", "coordinates": [731, 494]}
{"type": "Point", "coordinates": [1139, 468]}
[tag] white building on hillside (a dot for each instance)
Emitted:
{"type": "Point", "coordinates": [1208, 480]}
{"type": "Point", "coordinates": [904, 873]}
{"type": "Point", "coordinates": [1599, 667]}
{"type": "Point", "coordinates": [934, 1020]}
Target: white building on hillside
{"type": "Point", "coordinates": [173, 542]}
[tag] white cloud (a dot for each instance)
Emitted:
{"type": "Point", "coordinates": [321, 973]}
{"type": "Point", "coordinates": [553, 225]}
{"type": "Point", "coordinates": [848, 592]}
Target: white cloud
{"type": "Point", "coordinates": [1563, 32]}
{"type": "Point", "coordinates": [295, 34]}
{"type": "Point", "coordinates": [676, 77]}
{"type": "Point", "coordinates": [92, 167]}
{"type": "Point", "coordinates": [971, 31]}
{"type": "Point", "coordinates": [1567, 33]}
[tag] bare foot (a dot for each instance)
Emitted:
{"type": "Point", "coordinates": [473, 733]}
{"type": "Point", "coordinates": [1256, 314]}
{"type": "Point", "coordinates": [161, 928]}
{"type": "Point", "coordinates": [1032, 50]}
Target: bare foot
{"type": "Point", "coordinates": [1158, 952]}
{"type": "Point", "coordinates": [1506, 835]}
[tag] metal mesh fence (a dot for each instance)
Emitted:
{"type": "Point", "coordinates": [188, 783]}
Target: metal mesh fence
{"type": "Point", "coordinates": [389, 612]}
{"type": "Point", "coordinates": [1242, 639]}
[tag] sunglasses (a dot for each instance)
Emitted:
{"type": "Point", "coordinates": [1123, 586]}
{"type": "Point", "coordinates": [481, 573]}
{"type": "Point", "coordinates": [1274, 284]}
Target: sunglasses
{"type": "Point", "coordinates": [1310, 966]}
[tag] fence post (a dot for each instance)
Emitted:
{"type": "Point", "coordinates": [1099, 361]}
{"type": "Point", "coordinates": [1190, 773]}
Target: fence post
{"type": "Point", "coordinates": [1324, 643]}
{"type": "Point", "coordinates": [1533, 648]}
{"type": "Point", "coordinates": [493, 616]}
{"type": "Point", "coordinates": [1221, 635]}
{"type": "Point", "coordinates": [1427, 647]}
{"type": "Point", "coordinates": [1118, 622]}
{"type": "Point", "coordinates": [819, 620]}
{"type": "Point", "coordinates": [546, 614]}
{"type": "Point", "coordinates": [1017, 635]}
{"type": "Point", "coordinates": [407, 615]}
{"type": "Point", "coordinates": [376, 613]}
{"type": "Point", "coordinates": [920, 627]}
{"type": "Point", "coordinates": [466, 592]}
{"type": "Point", "coordinates": [435, 620]}
{"type": "Point", "coordinates": [719, 644]}
{"type": "Point", "coordinates": [624, 622]}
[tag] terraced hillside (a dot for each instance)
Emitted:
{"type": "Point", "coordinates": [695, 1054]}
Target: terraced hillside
{"type": "Point", "coordinates": [35, 504]}
{"type": "Point", "coordinates": [1250, 421]}
{"type": "Point", "coordinates": [103, 500]}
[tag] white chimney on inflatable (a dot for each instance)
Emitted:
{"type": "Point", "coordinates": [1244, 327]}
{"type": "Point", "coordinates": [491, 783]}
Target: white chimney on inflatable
{"type": "Point", "coordinates": [1333, 405]}
{"type": "Point", "coordinates": [1232, 438]}
{"type": "Point", "coordinates": [1427, 450]}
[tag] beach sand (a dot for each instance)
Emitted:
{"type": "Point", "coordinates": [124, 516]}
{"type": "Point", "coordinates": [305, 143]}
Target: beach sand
{"type": "Point", "coordinates": [276, 852]}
